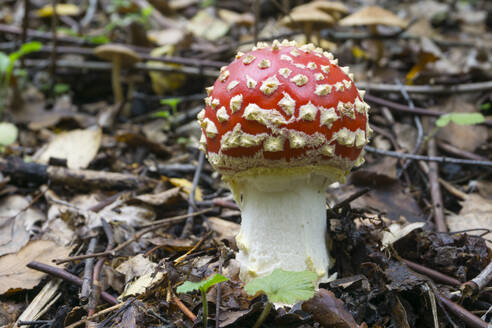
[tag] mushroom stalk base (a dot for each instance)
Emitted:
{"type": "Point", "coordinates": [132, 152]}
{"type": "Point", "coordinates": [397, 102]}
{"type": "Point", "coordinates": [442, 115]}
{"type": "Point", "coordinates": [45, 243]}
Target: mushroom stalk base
{"type": "Point", "coordinates": [283, 225]}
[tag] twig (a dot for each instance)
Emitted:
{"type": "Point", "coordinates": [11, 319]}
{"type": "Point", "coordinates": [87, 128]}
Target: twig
{"type": "Point", "coordinates": [184, 309]}
{"type": "Point", "coordinates": [85, 179]}
{"type": "Point", "coordinates": [418, 124]}
{"type": "Point", "coordinates": [25, 25]}
{"type": "Point", "coordinates": [459, 152]}
{"type": "Point", "coordinates": [431, 273]}
{"type": "Point", "coordinates": [474, 286]}
{"type": "Point", "coordinates": [351, 198]}
{"type": "Point", "coordinates": [95, 65]}
{"type": "Point", "coordinates": [95, 315]}
{"type": "Point", "coordinates": [256, 10]}
{"type": "Point", "coordinates": [435, 189]}
{"type": "Point", "coordinates": [54, 40]}
{"type": "Point", "coordinates": [89, 13]}
{"type": "Point", "coordinates": [428, 89]}
{"type": "Point", "coordinates": [188, 227]}
{"type": "Point", "coordinates": [439, 159]}
{"type": "Point", "coordinates": [406, 109]}
{"type": "Point", "coordinates": [469, 318]}
{"type": "Point", "coordinates": [96, 277]}
{"type": "Point", "coordinates": [88, 269]}
{"type": "Point", "coordinates": [150, 227]}
{"type": "Point", "coordinates": [67, 276]}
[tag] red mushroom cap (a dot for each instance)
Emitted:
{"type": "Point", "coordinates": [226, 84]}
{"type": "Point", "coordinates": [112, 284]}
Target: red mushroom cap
{"type": "Point", "coordinates": [284, 106]}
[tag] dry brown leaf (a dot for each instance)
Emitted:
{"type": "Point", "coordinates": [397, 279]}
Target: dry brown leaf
{"type": "Point", "coordinates": [15, 275]}
{"type": "Point", "coordinates": [204, 25]}
{"type": "Point", "coordinates": [135, 267]}
{"type": "Point", "coordinates": [475, 214]}
{"type": "Point", "coordinates": [462, 136]}
{"type": "Point", "coordinates": [160, 198]}
{"type": "Point", "coordinates": [16, 223]}
{"type": "Point", "coordinates": [78, 147]}
{"type": "Point", "coordinates": [328, 310]}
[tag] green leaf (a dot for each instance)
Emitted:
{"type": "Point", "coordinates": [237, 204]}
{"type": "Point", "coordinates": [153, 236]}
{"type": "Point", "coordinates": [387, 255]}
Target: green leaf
{"type": "Point", "coordinates": [460, 118]}
{"type": "Point", "coordinates": [203, 285]}
{"type": "Point", "coordinates": [61, 88]}
{"type": "Point", "coordinates": [484, 107]}
{"type": "Point", "coordinates": [8, 133]}
{"type": "Point", "coordinates": [172, 102]}
{"type": "Point", "coordinates": [284, 286]}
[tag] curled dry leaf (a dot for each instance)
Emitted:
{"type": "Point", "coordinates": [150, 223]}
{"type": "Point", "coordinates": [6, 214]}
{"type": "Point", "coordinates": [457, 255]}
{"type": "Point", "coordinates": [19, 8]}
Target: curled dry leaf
{"type": "Point", "coordinates": [328, 310]}
{"type": "Point", "coordinates": [15, 275]}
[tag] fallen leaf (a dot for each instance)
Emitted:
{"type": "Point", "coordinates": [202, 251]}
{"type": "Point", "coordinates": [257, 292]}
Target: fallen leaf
{"type": "Point", "coordinates": [15, 275]}
{"type": "Point", "coordinates": [476, 213]}
{"type": "Point", "coordinates": [160, 198]}
{"type": "Point", "coordinates": [16, 223]}
{"type": "Point", "coordinates": [62, 9]}
{"type": "Point", "coordinates": [136, 266]}
{"type": "Point", "coordinates": [141, 285]}
{"type": "Point", "coordinates": [329, 311]}
{"type": "Point", "coordinates": [397, 231]}
{"type": "Point", "coordinates": [78, 147]}
{"type": "Point", "coordinates": [204, 25]}
{"type": "Point", "coordinates": [187, 186]}
{"type": "Point", "coordinates": [461, 136]}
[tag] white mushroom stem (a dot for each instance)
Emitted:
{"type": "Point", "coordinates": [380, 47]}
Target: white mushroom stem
{"type": "Point", "coordinates": [283, 224]}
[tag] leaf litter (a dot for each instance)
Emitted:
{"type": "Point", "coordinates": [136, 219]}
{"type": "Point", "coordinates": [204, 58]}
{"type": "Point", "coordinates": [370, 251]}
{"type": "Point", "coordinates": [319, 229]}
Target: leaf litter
{"type": "Point", "coordinates": [379, 241]}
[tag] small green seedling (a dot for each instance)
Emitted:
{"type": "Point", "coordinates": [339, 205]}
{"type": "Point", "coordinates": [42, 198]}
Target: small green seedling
{"type": "Point", "coordinates": [173, 103]}
{"type": "Point", "coordinates": [460, 118]}
{"type": "Point", "coordinates": [282, 286]}
{"type": "Point", "coordinates": [203, 287]}
{"type": "Point", "coordinates": [7, 63]}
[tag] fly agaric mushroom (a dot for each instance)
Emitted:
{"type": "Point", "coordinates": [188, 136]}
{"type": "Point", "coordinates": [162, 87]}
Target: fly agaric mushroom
{"type": "Point", "coordinates": [280, 124]}
{"type": "Point", "coordinates": [120, 56]}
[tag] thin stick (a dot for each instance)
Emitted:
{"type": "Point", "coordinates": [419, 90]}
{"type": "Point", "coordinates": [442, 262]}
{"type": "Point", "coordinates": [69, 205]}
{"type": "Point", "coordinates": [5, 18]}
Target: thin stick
{"type": "Point", "coordinates": [406, 109]}
{"type": "Point", "coordinates": [89, 13]}
{"type": "Point", "coordinates": [96, 277]}
{"type": "Point", "coordinates": [431, 273]}
{"type": "Point", "coordinates": [54, 20]}
{"type": "Point", "coordinates": [435, 189]}
{"type": "Point", "coordinates": [188, 227]}
{"type": "Point", "coordinates": [88, 269]}
{"type": "Point", "coordinates": [439, 159]}
{"type": "Point", "coordinates": [469, 318]}
{"type": "Point", "coordinates": [256, 9]}
{"type": "Point", "coordinates": [25, 25]}
{"type": "Point", "coordinates": [477, 284]}
{"type": "Point", "coordinates": [459, 152]}
{"type": "Point", "coordinates": [184, 309]}
{"type": "Point", "coordinates": [60, 273]}
{"type": "Point", "coordinates": [95, 315]}
{"type": "Point", "coordinates": [150, 227]}
{"type": "Point", "coordinates": [418, 124]}
{"type": "Point", "coordinates": [428, 89]}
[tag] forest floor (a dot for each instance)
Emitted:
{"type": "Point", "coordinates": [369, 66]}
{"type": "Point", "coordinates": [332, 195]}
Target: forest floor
{"type": "Point", "coordinates": [107, 206]}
